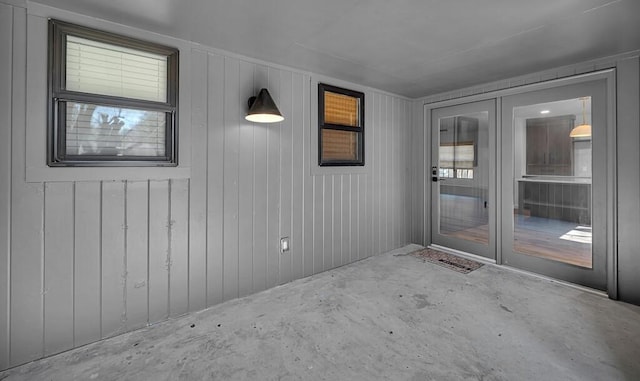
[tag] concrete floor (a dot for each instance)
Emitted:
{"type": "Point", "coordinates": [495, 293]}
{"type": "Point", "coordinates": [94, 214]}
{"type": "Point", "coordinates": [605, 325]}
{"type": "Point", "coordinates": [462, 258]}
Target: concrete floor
{"type": "Point", "coordinates": [387, 317]}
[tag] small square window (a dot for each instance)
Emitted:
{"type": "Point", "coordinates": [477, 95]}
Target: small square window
{"type": "Point", "coordinates": [113, 99]}
{"type": "Point", "coordinates": [340, 126]}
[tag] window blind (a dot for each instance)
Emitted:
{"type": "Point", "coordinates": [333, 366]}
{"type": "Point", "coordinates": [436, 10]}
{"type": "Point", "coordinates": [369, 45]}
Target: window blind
{"type": "Point", "coordinates": [105, 69]}
{"type": "Point", "coordinates": [339, 145]}
{"type": "Point", "coordinates": [341, 109]}
{"type": "Point", "coordinates": [457, 156]}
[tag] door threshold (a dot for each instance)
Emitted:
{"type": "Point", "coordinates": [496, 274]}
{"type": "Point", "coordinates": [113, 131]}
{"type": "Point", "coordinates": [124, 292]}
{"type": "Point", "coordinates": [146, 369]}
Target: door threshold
{"type": "Point", "coordinates": [517, 270]}
{"type": "Point", "coordinates": [559, 281]}
{"type": "Point", "coordinates": [463, 254]}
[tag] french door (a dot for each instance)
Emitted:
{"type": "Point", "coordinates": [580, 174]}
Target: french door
{"type": "Point", "coordinates": [463, 177]}
{"type": "Point", "coordinates": [554, 182]}
{"type": "Point", "coordinates": [522, 179]}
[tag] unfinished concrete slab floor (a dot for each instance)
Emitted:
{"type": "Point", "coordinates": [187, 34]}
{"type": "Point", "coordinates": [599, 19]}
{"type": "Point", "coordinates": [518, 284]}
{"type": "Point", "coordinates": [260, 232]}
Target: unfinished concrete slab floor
{"type": "Point", "coordinates": [384, 318]}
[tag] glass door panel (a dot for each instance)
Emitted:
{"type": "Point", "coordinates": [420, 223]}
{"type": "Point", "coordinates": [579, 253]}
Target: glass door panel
{"type": "Point", "coordinates": [552, 172]}
{"type": "Point", "coordinates": [554, 182]}
{"type": "Point", "coordinates": [461, 161]}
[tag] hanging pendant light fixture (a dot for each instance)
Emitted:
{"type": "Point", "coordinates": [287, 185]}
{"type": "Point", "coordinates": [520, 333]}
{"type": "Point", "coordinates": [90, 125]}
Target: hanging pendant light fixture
{"type": "Point", "coordinates": [583, 130]}
{"type": "Point", "coordinates": [262, 109]}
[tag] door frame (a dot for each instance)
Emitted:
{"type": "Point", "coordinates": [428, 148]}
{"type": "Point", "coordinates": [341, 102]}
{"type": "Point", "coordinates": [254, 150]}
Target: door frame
{"type": "Point", "coordinates": [489, 105]}
{"type": "Point", "coordinates": [609, 75]}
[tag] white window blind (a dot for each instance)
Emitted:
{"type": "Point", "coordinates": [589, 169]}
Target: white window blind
{"type": "Point", "coordinates": [458, 156]}
{"type": "Point", "coordinates": [106, 69]}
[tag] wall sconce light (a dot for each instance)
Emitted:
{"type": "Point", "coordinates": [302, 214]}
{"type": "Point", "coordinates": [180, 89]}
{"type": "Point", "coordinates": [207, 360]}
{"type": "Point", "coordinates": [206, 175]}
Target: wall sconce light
{"type": "Point", "coordinates": [262, 109]}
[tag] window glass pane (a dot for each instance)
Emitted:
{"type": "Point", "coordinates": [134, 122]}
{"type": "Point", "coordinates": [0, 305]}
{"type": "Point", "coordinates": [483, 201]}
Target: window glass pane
{"type": "Point", "coordinates": [106, 69]}
{"type": "Point", "coordinates": [552, 176]}
{"type": "Point", "coordinates": [463, 158]}
{"type": "Point", "coordinates": [114, 131]}
{"type": "Point", "coordinates": [341, 109]}
{"type": "Point", "coordinates": [339, 145]}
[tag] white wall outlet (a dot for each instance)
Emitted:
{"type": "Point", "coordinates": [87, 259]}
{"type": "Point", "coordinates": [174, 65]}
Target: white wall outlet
{"type": "Point", "coordinates": [284, 244]}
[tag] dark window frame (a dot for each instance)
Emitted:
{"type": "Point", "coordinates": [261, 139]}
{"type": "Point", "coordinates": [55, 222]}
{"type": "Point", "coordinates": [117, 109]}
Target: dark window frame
{"type": "Point", "coordinates": [322, 88]}
{"type": "Point", "coordinates": [59, 96]}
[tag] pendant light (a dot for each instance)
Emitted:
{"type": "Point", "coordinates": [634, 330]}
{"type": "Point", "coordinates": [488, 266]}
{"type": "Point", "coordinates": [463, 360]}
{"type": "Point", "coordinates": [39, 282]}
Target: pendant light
{"type": "Point", "coordinates": [262, 109]}
{"type": "Point", "coordinates": [583, 130]}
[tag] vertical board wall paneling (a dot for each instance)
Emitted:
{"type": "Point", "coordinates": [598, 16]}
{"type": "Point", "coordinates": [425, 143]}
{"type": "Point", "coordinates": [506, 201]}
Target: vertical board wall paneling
{"type": "Point", "coordinates": [6, 29]}
{"type": "Point", "coordinates": [398, 182]}
{"type": "Point", "coordinates": [273, 186]}
{"type": "Point", "coordinates": [113, 258]}
{"type": "Point", "coordinates": [390, 175]}
{"type": "Point", "coordinates": [404, 147]}
{"type": "Point", "coordinates": [139, 252]}
{"type": "Point", "coordinates": [198, 202]}
{"type": "Point", "coordinates": [159, 254]}
{"type": "Point", "coordinates": [308, 194]}
{"type": "Point", "coordinates": [297, 176]}
{"type": "Point", "coordinates": [230, 178]}
{"type": "Point", "coordinates": [378, 185]}
{"type": "Point", "coordinates": [245, 183]}
{"type": "Point", "coordinates": [336, 222]}
{"type": "Point", "coordinates": [327, 222]}
{"type": "Point", "coordinates": [365, 184]}
{"type": "Point", "coordinates": [286, 173]}
{"type": "Point", "coordinates": [363, 196]}
{"type": "Point", "coordinates": [353, 239]}
{"type": "Point", "coordinates": [401, 217]}
{"type": "Point", "coordinates": [317, 223]}
{"type": "Point", "coordinates": [346, 251]}
{"type": "Point", "coordinates": [87, 263]}
{"type": "Point", "coordinates": [260, 218]}
{"type": "Point", "coordinates": [408, 160]}
{"type": "Point", "coordinates": [26, 315]}
{"type": "Point", "coordinates": [58, 267]}
{"type": "Point", "coordinates": [345, 222]}
{"type": "Point", "coordinates": [381, 180]}
{"type": "Point", "coordinates": [392, 222]}
{"type": "Point", "coordinates": [387, 176]}
{"type": "Point", "coordinates": [137, 311]}
{"type": "Point", "coordinates": [179, 248]}
{"type": "Point", "coordinates": [214, 202]}
{"type": "Point", "coordinates": [418, 169]}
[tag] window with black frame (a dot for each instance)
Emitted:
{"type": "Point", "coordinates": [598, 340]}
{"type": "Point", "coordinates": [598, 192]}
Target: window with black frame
{"type": "Point", "coordinates": [340, 126]}
{"type": "Point", "coordinates": [113, 99]}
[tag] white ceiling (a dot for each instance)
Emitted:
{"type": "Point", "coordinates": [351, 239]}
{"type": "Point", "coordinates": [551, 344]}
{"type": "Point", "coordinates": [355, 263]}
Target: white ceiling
{"type": "Point", "coordinates": [408, 47]}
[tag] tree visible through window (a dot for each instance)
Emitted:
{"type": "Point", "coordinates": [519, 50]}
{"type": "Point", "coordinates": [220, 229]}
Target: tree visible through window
{"type": "Point", "coordinates": [113, 99]}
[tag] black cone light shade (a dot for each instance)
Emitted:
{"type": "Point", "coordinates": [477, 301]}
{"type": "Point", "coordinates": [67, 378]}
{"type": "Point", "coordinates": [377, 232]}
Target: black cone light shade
{"type": "Point", "coordinates": [262, 109]}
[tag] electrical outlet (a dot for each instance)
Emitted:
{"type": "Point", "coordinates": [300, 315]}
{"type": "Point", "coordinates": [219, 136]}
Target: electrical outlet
{"type": "Point", "coordinates": [284, 244]}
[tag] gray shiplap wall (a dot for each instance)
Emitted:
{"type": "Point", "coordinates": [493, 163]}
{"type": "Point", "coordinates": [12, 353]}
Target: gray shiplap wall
{"type": "Point", "coordinates": [627, 161]}
{"type": "Point", "coordinates": [85, 260]}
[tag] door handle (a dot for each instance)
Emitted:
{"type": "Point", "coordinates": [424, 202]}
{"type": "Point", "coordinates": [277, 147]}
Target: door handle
{"type": "Point", "coordinates": [436, 179]}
